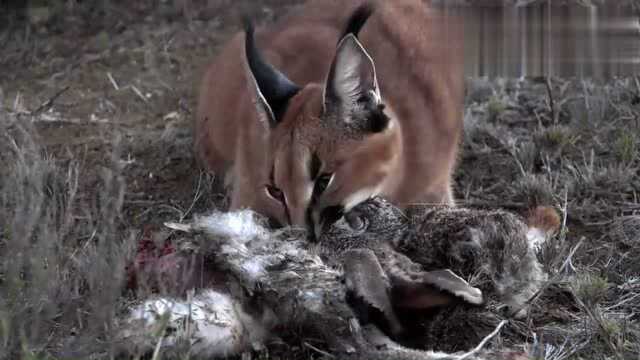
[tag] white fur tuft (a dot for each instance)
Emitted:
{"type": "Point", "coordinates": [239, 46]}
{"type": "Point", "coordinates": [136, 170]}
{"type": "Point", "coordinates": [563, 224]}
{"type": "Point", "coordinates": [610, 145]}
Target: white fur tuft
{"type": "Point", "coordinates": [212, 323]}
{"type": "Point", "coordinates": [239, 225]}
{"type": "Point", "coordinates": [536, 238]}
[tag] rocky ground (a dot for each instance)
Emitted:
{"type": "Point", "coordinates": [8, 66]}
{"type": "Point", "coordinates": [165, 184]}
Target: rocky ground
{"type": "Point", "coordinates": [95, 107]}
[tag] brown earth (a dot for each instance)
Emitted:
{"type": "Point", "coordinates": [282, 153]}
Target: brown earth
{"type": "Point", "coordinates": [112, 89]}
{"type": "Point", "coordinates": [129, 71]}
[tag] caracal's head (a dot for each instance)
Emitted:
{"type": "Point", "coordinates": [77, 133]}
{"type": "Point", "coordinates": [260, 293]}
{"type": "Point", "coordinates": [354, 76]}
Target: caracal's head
{"type": "Point", "coordinates": [331, 144]}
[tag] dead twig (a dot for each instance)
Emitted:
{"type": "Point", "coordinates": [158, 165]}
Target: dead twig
{"type": "Point", "coordinates": [139, 93]}
{"type": "Point", "coordinates": [196, 197]}
{"type": "Point", "coordinates": [113, 81]}
{"type": "Point", "coordinates": [552, 106]}
{"type": "Point", "coordinates": [484, 342]}
{"type": "Point", "coordinates": [47, 104]}
{"type": "Point", "coordinates": [321, 352]}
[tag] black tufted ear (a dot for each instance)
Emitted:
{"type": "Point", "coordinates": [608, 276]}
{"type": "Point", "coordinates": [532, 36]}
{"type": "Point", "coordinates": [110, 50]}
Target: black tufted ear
{"type": "Point", "coordinates": [352, 94]}
{"type": "Point", "coordinates": [272, 88]}
{"type": "Point", "coordinates": [357, 20]}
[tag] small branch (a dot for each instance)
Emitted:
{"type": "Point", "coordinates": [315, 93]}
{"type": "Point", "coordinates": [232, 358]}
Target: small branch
{"type": "Point", "coordinates": [321, 352]}
{"type": "Point", "coordinates": [552, 106]}
{"type": "Point", "coordinates": [139, 93]}
{"type": "Point", "coordinates": [196, 197]}
{"type": "Point", "coordinates": [47, 104]}
{"type": "Point", "coordinates": [484, 342]}
{"type": "Point", "coordinates": [113, 81]}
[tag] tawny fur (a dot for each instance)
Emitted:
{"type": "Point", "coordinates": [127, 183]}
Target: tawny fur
{"type": "Point", "coordinates": [418, 60]}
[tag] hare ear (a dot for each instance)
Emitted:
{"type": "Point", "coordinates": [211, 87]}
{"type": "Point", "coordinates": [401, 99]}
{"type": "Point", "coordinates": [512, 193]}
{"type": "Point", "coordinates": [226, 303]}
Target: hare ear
{"type": "Point", "coordinates": [368, 289]}
{"type": "Point", "coordinates": [434, 289]}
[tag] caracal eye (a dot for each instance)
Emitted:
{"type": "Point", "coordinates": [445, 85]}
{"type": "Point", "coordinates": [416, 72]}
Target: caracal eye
{"type": "Point", "coordinates": [322, 183]}
{"type": "Point", "coordinates": [275, 193]}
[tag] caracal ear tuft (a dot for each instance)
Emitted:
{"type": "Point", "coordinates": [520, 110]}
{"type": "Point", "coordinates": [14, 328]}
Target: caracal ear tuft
{"type": "Point", "coordinates": [435, 289]}
{"type": "Point", "coordinates": [357, 19]}
{"type": "Point", "coordinates": [271, 88]}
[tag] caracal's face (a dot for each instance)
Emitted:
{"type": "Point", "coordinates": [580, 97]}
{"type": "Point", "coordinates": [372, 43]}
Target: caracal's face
{"type": "Point", "coordinates": [331, 145]}
{"type": "Point", "coordinates": [321, 168]}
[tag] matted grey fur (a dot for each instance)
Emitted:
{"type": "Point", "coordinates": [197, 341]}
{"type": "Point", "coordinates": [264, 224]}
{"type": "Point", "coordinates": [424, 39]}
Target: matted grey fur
{"type": "Point", "coordinates": [282, 281]}
{"type": "Point", "coordinates": [493, 249]}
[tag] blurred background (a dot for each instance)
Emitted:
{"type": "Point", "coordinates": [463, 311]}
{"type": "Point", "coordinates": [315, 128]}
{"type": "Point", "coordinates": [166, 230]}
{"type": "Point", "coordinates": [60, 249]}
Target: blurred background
{"type": "Point", "coordinates": [511, 38]}
{"type": "Point", "coordinates": [514, 38]}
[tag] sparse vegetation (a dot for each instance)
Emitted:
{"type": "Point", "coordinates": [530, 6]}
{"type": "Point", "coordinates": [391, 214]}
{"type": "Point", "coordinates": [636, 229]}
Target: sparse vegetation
{"type": "Point", "coordinates": [495, 108]}
{"type": "Point", "coordinates": [588, 166]}
{"type": "Point", "coordinates": [626, 147]}
{"type": "Point", "coordinates": [63, 254]}
{"type": "Point", "coordinates": [591, 289]}
{"type": "Point", "coordinates": [105, 162]}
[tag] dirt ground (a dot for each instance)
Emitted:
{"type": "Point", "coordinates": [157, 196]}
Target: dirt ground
{"type": "Point", "coordinates": [112, 88]}
{"type": "Point", "coordinates": [128, 71]}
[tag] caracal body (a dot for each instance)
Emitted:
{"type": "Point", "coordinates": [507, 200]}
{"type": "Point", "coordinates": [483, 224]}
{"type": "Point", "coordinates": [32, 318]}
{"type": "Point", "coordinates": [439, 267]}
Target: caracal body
{"type": "Point", "coordinates": [342, 101]}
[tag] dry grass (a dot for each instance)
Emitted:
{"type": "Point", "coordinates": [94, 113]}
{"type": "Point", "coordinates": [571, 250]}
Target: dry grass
{"type": "Point", "coordinates": [585, 161]}
{"type": "Point", "coordinates": [102, 164]}
{"type": "Point", "coordinates": [63, 251]}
